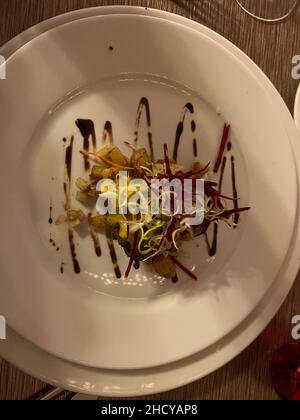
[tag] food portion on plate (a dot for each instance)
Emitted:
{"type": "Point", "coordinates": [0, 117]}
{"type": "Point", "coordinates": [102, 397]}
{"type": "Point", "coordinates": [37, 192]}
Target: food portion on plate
{"type": "Point", "coordinates": [151, 208]}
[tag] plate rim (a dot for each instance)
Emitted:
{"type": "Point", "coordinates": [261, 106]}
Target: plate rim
{"type": "Point", "coordinates": [186, 21]}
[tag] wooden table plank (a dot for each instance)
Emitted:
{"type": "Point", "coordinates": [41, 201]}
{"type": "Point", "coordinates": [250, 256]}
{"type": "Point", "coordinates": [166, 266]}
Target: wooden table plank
{"type": "Point", "coordinates": [272, 48]}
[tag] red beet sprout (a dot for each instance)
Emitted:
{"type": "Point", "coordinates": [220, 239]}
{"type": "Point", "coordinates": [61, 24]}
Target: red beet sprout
{"type": "Point", "coordinates": [133, 251]}
{"type": "Point", "coordinates": [222, 147]}
{"type": "Point", "coordinates": [184, 269]}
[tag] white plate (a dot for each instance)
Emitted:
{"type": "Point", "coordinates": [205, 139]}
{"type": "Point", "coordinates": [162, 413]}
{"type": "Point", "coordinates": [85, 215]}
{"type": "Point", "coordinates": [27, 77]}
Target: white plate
{"type": "Point", "coordinates": [185, 371]}
{"type": "Point", "coordinates": [88, 318]}
{"type": "Point", "coordinates": [88, 321]}
{"type": "Point", "coordinates": [297, 109]}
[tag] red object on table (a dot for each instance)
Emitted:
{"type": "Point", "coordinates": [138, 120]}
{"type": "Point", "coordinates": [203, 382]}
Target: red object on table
{"type": "Point", "coordinates": [285, 368]}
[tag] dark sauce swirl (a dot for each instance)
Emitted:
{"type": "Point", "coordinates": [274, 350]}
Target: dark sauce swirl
{"type": "Point", "coordinates": [112, 251]}
{"type": "Point", "coordinates": [67, 191]}
{"type": "Point", "coordinates": [144, 104]}
{"type": "Point", "coordinates": [108, 133]}
{"type": "Point", "coordinates": [180, 127]}
{"type": "Point", "coordinates": [87, 130]}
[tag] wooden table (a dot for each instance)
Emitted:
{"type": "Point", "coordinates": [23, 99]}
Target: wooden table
{"type": "Point", "coordinates": [272, 47]}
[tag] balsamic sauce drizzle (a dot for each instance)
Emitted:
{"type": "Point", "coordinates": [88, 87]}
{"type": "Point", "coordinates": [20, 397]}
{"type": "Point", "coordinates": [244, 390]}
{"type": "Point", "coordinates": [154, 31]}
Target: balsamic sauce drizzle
{"type": "Point", "coordinates": [52, 241]}
{"type": "Point", "coordinates": [112, 250]}
{"type": "Point", "coordinates": [195, 148]}
{"type": "Point", "coordinates": [212, 248]}
{"type": "Point", "coordinates": [236, 216]}
{"type": "Point", "coordinates": [50, 213]}
{"type": "Point", "coordinates": [180, 127]}
{"type": "Point", "coordinates": [175, 279]}
{"type": "Point", "coordinates": [144, 104]}
{"type": "Point", "coordinates": [95, 237]}
{"type": "Point", "coordinates": [108, 133]}
{"type": "Point", "coordinates": [67, 190]}
{"type": "Point", "coordinates": [68, 172]}
{"type": "Point", "coordinates": [73, 251]}
{"type": "Point", "coordinates": [87, 130]}
{"type": "Point", "coordinates": [193, 126]}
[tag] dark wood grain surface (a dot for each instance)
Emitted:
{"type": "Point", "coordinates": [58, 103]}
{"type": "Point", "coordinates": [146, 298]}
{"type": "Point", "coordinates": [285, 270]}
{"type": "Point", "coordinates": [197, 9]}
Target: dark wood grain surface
{"type": "Point", "coordinates": [272, 47]}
